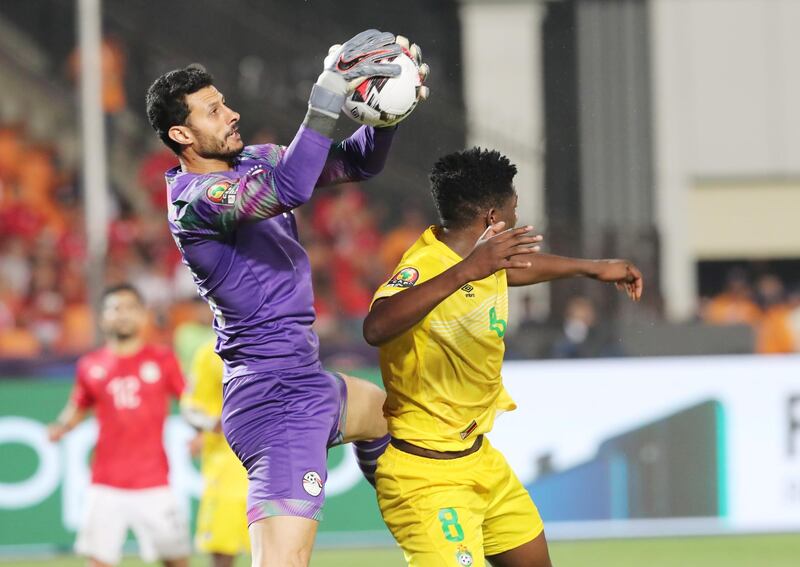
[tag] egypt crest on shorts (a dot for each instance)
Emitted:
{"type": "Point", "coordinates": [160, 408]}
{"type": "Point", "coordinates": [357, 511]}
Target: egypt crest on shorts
{"type": "Point", "coordinates": [406, 277]}
{"type": "Point", "coordinates": [223, 193]}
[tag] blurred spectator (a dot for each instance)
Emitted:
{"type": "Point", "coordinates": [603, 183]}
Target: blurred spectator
{"type": "Point", "coordinates": [152, 279]}
{"type": "Point", "coordinates": [11, 151]}
{"type": "Point", "coordinates": [399, 239]}
{"type": "Point", "coordinates": [774, 333]}
{"type": "Point", "coordinates": [793, 318]}
{"type": "Point", "coordinates": [325, 324]}
{"type": "Point", "coordinates": [9, 304]}
{"type": "Point", "coordinates": [151, 176]}
{"type": "Point", "coordinates": [735, 305]}
{"type": "Point", "coordinates": [37, 182]}
{"type": "Point", "coordinates": [77, 319]}
{"type": "Point", "coordinates": [45, 304]}
{"type": "Point", "coordinates": [581, 337]}
{"type": "Point", "coordinates": [262, 136]}
{"type": "Point", "coordinates": [183, 282]}
{"type": "Point", "coordinates": [342, 218]}
{"type": "Point", "coordinates": [112, 64]}
{"type": "Point", "coordinates": [15, 265]}
{"type": "Point", "coordinates": [769, 291]}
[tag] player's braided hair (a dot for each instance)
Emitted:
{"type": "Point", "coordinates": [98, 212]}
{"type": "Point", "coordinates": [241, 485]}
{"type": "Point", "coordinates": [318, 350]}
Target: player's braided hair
{"type": "Point", "coordinates": [166, 100]}
{"type": "Point", "coordinates": [465, 184]}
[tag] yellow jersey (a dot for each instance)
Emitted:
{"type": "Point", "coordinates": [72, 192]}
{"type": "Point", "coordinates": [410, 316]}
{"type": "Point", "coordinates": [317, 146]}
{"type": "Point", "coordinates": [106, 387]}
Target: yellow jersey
{"type": "Point", "coordinates": [220, 468]}
{"type": "Point", "coordinates": [442, 376]}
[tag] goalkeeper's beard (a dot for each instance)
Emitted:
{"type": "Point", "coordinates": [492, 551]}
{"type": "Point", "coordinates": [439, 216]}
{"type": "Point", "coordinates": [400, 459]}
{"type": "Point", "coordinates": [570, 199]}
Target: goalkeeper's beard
{"type": "Point", "coordinates": [123, 336]}
{"type": "Point", "coordinates": [211, 148]}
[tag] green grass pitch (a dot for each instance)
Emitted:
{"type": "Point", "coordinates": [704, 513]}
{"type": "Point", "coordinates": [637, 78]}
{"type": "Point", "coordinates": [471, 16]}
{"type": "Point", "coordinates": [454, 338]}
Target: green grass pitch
{"type": "Point", "coordinates": [729, 551]}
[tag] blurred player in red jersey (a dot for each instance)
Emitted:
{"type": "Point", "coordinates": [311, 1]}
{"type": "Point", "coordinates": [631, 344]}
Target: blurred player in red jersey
{"type": "Point", "coordinates": [128, 384]}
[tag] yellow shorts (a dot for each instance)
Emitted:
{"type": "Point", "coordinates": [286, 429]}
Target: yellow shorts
{"type": "Point", "coordinates": [222, 523]}
{"type": "Point", "coordinates": [454, 512]}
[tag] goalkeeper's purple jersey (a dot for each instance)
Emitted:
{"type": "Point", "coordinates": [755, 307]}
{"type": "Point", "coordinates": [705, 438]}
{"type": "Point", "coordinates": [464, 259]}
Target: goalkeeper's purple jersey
{"type": "Point", "coordinates": [237, 235]}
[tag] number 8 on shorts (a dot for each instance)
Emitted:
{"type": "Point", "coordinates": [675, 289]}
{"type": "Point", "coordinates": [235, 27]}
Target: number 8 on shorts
{"type": "Point", "coordinates": [450, 527]}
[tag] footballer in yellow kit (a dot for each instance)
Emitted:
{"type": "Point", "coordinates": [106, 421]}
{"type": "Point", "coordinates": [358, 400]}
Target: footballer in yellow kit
{"type": "Point", "coordinates": [222, 517]}
{"type": "Point", "coordinates": [449, 497]}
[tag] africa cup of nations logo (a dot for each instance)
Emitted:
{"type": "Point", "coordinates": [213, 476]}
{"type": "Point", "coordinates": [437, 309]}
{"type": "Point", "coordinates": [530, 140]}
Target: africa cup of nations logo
{"type": "Point", "coordinates": [223, 193]}
{"type": "Point", "coordinates": [406, 277]}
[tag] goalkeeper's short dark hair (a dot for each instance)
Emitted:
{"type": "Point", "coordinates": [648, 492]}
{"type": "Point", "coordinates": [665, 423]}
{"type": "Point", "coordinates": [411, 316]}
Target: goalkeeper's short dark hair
{"type": "Point", "coordinates": [166, 100]}
{"type": "Point", "coordinates": [466, 183]}
{"type": "Point", "coordinates": [123, 287]}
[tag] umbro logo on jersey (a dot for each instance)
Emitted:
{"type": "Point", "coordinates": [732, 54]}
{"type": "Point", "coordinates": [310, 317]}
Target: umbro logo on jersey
{"type": "Point", "coordinates": [468, 289]}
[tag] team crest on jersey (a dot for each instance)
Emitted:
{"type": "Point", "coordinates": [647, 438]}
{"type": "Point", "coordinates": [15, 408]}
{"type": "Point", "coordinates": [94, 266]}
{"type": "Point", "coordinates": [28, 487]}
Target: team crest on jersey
{"type": "Point", "coordinates": [223, 193]}
{"type": "Point", "coordinates": [149, 372]}
{"type": "Point", "coordinates": [406, 277]}
{"type": "Point", "coordinates": [97, 372]}
{"type": "Point", "coordinates": [312, 483]}
{"type": "Point", "coordinates": [463, 556]}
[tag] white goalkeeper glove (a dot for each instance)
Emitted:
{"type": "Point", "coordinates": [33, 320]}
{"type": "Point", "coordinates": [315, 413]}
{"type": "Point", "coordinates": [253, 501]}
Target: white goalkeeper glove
{"type": "Point", "coordinates": [424, 70]}
{"type": "Point", "coordinates": [348, 65]}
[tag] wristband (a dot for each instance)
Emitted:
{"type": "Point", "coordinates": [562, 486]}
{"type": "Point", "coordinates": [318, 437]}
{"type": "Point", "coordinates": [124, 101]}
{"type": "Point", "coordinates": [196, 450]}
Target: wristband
{"type": "Point", "coordinates": [326, 102]}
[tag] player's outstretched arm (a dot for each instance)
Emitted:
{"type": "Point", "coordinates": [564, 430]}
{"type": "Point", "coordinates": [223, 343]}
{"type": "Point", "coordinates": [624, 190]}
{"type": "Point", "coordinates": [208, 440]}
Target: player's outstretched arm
{"type": "Point", "coordinates": [547, 267]}
{"type": "Point", "coordinates": [68, 419]}
{"type": "Point", "coordinates": [391, 316]}
{"type": "Point", "coordinates": [219, 204]}
{"type": "Point", "coordinates": [76, 409]}
{"type": "Point", "coordinates": [359, 157]}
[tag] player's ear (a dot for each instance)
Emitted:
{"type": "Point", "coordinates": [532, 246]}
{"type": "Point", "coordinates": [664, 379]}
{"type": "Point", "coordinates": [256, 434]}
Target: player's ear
{"type": "Point", "coordinates": [492, 217]}
{"type": "Point", "coordinates": [181, 135]}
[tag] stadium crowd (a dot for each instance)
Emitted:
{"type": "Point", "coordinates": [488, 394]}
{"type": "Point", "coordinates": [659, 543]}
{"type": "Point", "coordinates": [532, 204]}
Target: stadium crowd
{"type": "Point", "coordinates": [44, 303]}
{"type": "Point", "coordinates": [765, 304]}
{"type": "Point", "coordinates": [353, 241]}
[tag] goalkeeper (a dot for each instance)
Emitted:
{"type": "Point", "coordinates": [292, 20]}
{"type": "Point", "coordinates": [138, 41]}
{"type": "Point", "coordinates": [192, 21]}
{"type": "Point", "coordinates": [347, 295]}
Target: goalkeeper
{"type": "Point", "coordinates": [230, 213]}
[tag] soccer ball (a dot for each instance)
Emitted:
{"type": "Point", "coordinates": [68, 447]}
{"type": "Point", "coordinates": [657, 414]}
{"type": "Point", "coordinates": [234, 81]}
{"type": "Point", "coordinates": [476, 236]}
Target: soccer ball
{"type": "Point", "coordinates": [381, 101]}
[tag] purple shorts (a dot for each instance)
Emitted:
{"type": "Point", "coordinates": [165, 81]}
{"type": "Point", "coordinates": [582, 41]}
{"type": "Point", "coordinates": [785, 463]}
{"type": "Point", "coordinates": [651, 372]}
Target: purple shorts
{"type": "Point", "coordinates": [280, 425]}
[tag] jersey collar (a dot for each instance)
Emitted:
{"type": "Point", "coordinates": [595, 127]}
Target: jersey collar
{"type": "Point", "coordinates": [429, 237]}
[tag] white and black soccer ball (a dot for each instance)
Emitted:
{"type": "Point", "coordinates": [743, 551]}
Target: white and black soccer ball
{"type": "Point", "coordinates": [383, 101]}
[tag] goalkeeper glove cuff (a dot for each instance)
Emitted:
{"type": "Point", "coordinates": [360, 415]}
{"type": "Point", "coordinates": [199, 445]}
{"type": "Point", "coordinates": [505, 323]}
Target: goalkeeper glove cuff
{"type": "Point", "coordinates": [328, 94]}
